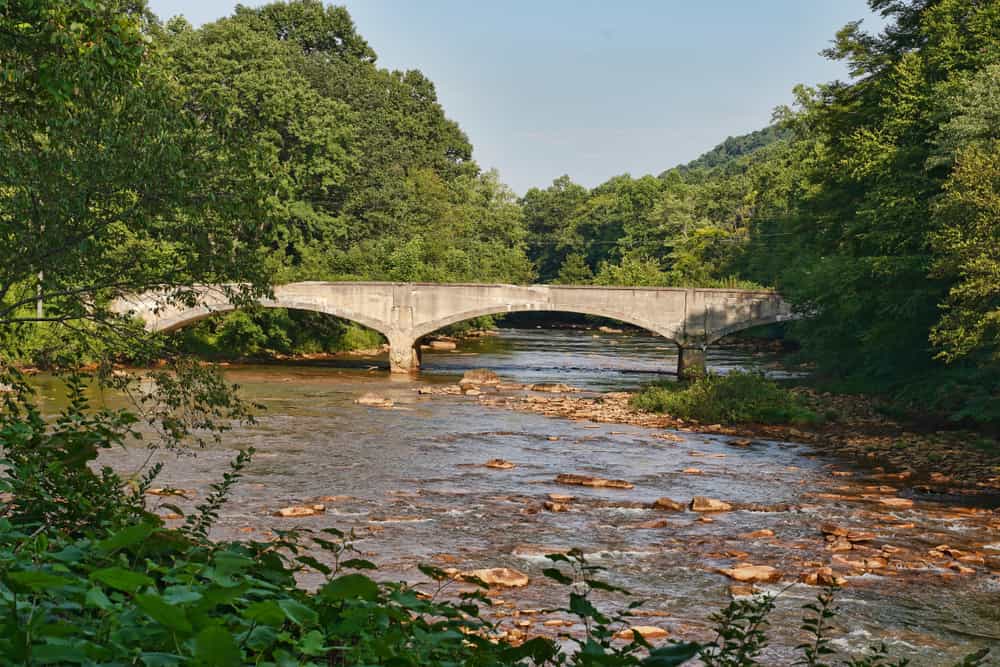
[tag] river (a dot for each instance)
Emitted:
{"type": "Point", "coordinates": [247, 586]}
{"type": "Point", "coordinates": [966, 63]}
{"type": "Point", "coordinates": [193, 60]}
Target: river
{"type": "Point", "coordinates": [410, 482]}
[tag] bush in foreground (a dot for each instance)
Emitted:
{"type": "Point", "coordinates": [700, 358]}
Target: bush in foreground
{"type": "Point", "coordinates": [737, 397]}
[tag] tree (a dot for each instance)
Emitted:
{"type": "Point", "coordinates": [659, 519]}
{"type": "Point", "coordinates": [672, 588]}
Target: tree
{"type": "Point", "coordinates": [547, 214]}
{"type": "Point", "coordinates": [967, 245]}
{"type": "Point", "coordinates": [108, 183]}
{"type": "Point", "coordinates": [859, 260]}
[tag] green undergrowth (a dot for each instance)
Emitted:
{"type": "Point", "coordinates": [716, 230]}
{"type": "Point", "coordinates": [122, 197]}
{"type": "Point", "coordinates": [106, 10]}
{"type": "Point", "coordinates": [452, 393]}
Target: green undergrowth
{"type": "Point", "coordinates": [734, 398]}
{"type": "Point", "coordinates": [267, 331]}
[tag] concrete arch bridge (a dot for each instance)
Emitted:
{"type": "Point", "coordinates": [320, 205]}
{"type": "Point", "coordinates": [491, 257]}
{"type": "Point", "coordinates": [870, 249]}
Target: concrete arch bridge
{"type": "Point", "coordinates": [692, 318]}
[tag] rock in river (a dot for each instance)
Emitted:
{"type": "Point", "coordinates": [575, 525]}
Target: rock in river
{"type": "Point", "coordinates": [597, 482]}
{"type": "Point", "coordinates": [374, 400]}
{"type": "Point", "coordinates": [552, 387]}
{"type": "Point", "coordinates": [480, 376]}
{"type": "Point", "coordinates": [822, 576]}
{"type": "Point", "coordinates": [705, 504]}
{"type": "Point", "coordinates": [752, 573]}
{"type": "Point", "coordinates": [297, 511]}
{"type": "Point", "coordinates": [647, 632]}
{"type": "Point", "coordinates": [500, 464]}
{"type": "Point", "coordinates": [499, 576]}
{"type": "Point", "coordinates": [668, 505]}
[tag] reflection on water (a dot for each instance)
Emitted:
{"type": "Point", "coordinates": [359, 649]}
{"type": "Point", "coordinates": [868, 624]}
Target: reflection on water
{"type": "Point", "coordinates": [416, 491]}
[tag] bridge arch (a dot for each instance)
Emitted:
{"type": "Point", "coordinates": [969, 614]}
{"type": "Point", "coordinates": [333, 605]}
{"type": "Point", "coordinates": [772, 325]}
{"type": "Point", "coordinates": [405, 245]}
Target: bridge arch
{"type": "Point", "coordinates": [670, 333]}
{"type": "Point", "coordinates": [182, 318]}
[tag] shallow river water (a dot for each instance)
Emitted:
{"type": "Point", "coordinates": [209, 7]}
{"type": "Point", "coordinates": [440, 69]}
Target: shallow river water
{"type": "Point", "coordinates": [415, 490]}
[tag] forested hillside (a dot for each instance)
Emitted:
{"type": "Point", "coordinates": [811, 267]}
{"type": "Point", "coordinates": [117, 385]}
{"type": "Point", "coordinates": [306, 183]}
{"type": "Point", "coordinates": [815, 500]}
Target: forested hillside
{"type": "Point", "coordinates": [873, 204]}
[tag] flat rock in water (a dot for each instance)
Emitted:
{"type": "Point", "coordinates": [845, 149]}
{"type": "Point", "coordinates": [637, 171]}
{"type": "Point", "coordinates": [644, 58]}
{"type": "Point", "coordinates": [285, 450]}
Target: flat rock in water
{"type": "Point", "coordinates": [705, 504]}
{"type": "Point", "coordinates": [896, 503]}
{"type": "Point", "coordinates": [374, 400]}
{"type": "Point", "coordinates": [645, 631]}
{"type": "Point", "coordinates": [442, 345]}
{"type": "Point", "coordinates": [757, 534]}
{"type": "Point", "coordinates": [753, 574]}
{"type": "Point", "coordinates": [596, 482]}
{"type": "Point", "coordinates": [499, 576]}
{"type": "Point", "coordinates": [297, 511]}
{"type": "Point", "coordinates": [552, 387]}
{"type": "Point", "coordinates": [500, 464]}
{"type": "Point", "coordinates": [480, 376]}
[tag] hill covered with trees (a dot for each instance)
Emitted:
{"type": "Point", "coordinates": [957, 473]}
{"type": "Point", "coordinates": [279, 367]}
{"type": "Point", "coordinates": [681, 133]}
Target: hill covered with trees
{"type": "Point", "coordinates": [873, 204]}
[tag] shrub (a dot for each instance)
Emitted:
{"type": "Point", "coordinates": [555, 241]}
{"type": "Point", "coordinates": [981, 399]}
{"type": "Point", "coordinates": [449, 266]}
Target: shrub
{"type": "Point", "coordinates": [736, 397]}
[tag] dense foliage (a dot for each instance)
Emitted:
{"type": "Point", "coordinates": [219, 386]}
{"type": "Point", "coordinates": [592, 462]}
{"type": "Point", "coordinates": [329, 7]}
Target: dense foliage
{"type": "Point", "coordinates": [872, 205]}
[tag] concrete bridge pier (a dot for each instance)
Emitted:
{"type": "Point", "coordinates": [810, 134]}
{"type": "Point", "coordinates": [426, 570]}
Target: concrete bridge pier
{"type": "Point", "coordinates": [404, 353]}
{"type": "Point", "coordinates": [690, 360]}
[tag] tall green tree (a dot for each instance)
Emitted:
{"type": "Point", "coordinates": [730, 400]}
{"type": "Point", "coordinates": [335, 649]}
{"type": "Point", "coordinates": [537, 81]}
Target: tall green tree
{"type": "Point", "coordinates": [860, 262]}
{"type": "Point", "coordinates": [108, 184]}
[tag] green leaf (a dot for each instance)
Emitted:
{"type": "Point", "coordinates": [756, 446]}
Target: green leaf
{"type": "Point", "coordinates": [313, 643]}
{"type": "Point", "coordinates": [557, 575]}
{"type": "Point", "coordinates": [59, 653]}
{"type": "Point", "coordinates": [597, 584]}
{"type": "Point", "coordinates": [121, 579]}
{"type": "Point", "coordinates": [97, 598]}
{"type": "Point", "coordinates": [672, 655]}
{"type": "Point", "coordinates": [539, 649]}
{"type": "Point", "coordinates": [314, 564]}
{"type": "Point", "coordinates": [126, 537]}
{"type": "Point", "coordinates": [161, 659]}
{"type": "Point", "coordinates": [349, 586]}
{"type": "Point", "coordinates": [359, 564]}
{"type": "Point", "coordinates": [581, 606]}
{"type": "Point", "coordinates": [163, 613]}
{"type": "Point", "coordinates": [36, 580]}
{"type": "Point", "coordinates": [298, 613]}
{"type": "Point", "coordinates": [215, 647]}
{"type": "Point", "coordinates": [265, 612]}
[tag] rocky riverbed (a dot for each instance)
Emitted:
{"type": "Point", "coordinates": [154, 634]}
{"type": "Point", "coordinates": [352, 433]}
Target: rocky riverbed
{"type": "Point", "coordinates": [491, 476]}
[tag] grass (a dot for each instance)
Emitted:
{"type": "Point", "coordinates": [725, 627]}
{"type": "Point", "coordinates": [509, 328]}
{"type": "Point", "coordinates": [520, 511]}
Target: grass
{"type": "Point", "coordinates": [734, 398]}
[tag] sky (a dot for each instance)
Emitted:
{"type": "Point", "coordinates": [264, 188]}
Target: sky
{"type": "Point", "coordinates": [593, 89]}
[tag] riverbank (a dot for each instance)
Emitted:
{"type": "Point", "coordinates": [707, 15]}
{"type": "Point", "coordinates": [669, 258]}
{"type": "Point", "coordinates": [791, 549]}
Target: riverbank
{"type": "Point", "coordinates": [932, 462]}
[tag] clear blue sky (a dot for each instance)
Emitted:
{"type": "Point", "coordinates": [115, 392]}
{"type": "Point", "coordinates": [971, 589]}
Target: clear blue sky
{"type": "Point", "coordinates": [596, 88]}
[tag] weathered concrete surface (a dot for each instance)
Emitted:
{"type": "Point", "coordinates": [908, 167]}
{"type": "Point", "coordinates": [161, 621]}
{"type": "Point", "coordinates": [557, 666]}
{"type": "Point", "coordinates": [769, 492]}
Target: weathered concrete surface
{"type": "Point", "coordinates": [406, 312]}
